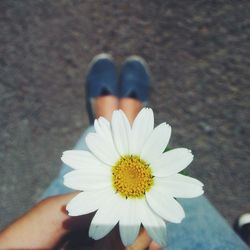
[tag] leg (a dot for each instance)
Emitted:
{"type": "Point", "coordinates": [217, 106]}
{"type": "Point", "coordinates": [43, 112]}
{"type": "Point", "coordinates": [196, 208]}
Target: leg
{"type": "Point", "coordinates": [134, 86]}
{"type": "Point", "coordinates": [105, 105]}
{"type": "Point", "coordinates": [202, 228]}
{"type": "Point", "coordinates": [131, 107]}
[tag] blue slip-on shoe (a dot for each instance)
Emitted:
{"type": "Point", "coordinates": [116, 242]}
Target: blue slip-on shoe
{"type": "Point", "coordinates": [135, 79]}
{"type": "Point", "coordinates": [101, 81]}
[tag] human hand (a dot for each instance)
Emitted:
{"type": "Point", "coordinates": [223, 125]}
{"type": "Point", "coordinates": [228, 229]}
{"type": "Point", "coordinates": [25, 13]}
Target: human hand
{"type": "Point", "coordinates": [77, 238]}
{"type": "Point", "coordinates": [48, 226]}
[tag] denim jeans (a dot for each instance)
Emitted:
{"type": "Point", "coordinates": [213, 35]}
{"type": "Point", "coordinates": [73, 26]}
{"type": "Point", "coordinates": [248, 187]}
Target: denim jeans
{"type": "Point", "coordinates": [202, 228]}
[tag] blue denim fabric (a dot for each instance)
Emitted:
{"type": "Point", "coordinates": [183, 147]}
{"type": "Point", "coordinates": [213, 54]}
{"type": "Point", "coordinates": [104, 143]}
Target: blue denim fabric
{"type": "Point", "coordinates": [202, 228]}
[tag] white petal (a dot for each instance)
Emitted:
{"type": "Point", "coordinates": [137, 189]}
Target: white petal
{"type": "Point", "coordinates": [100, 169]}
{"type": "Point", "coordinates": [88, 179]}
{"type": "Point", "coordinates": [187, 179]}
{"type": "Point", "coordinates": [105, 218]}
{"type": "Point", "coordinates": [87, 202]}
{"type": "Point", "coordinates": [154, 224]}
{"type": "Point", "coordinates": [121, 131]}
{"type": "Point", "coordinates": [172, 162]}
{"type": "Point", "coordinates": [179, 187]}
{"type": "Point", "coordinates": [102, 126]}
{"type": "Point", "coordinates": [129, 224]}
{"type": "Point", "coordinates": [164, 205]}
{"type": "Point", "coordinates": [142, 127]}
{"type": "Point", "coordinates": [79, 159]}
{"type": "Point", "coordinates": [156, 143]}
{"type": "Point", "coordinates": [102, 148]}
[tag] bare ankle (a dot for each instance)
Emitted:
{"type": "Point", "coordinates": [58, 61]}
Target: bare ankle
{"type": "Point", "coordinates": [105, 105]}
{"type": "Point", "coordinates": [131, 107]}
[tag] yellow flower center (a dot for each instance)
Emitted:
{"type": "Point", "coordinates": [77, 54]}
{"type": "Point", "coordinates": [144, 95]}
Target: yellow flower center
{"type": "Point", "coordinates": [132, 177]}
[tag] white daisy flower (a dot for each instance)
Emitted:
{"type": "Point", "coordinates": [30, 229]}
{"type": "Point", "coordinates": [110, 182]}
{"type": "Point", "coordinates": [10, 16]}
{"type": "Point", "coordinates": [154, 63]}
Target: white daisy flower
{"type": "Point", "coordinates": [129, 179]}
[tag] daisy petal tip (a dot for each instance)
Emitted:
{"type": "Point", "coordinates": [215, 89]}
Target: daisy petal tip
{"type": "Point", "coordinates": [188, 153]}
{"type": "Point", "coordinates": [168, 127]}
{"type": "Point", "coordinates": [150, 111]}
{"type": "Point", "coordinates": [103, 120]}
{"type": "Point", "coordinates": [98, 233]}
{"type": "Point", "coordinates": [201, 186]}
{"type": "Point", "coordinates": [64, 153]}
{"type": "Point", "coordinates": [191, 155]}
{"type": "Point", "coordinates": [65, 183]}
{"type": "Point", "coordinates": [180, 219]}
{"type": "Point", "coordinates": [181, 216]}
{"type": "Point", "coordinates": [96, 123]}
{"type": "Point", "coordinates": [92, 235]}
{"type": "Point", "coordinates": [128, 238]}
{"type": "Point", "coordinates": [71, 151]}
{"type": "Point", "coordinates": [202, 192]}
{"type": "Point", "coordinates": [199, 183]}
{"type": "Point", "coordinates": [69, 210]}
{"type": "Point", "coordinates": [114, 115]}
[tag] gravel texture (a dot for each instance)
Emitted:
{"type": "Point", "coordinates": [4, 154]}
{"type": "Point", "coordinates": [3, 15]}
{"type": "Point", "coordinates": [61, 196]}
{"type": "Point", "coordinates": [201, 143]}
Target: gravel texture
{"type": "Point", "coordinates": [199, 56]}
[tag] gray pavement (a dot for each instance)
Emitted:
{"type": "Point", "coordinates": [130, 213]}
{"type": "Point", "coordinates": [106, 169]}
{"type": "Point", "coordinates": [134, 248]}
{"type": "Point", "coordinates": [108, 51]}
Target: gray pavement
{"type": "Point", "coordinates": [199, 55]}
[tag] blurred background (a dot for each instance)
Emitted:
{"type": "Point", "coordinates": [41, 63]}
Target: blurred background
{"type": "Point", "coordinates": [199, 56]}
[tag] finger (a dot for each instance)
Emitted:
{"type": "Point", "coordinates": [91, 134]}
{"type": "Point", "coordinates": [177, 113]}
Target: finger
{"type": "Point", "coordinates": [154, 246]}
{"type": "Point", "coordinates": [142, 241]}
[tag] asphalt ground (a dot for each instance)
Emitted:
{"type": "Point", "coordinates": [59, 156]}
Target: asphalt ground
{"type": "Point", "coordinates": [199, 56]}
